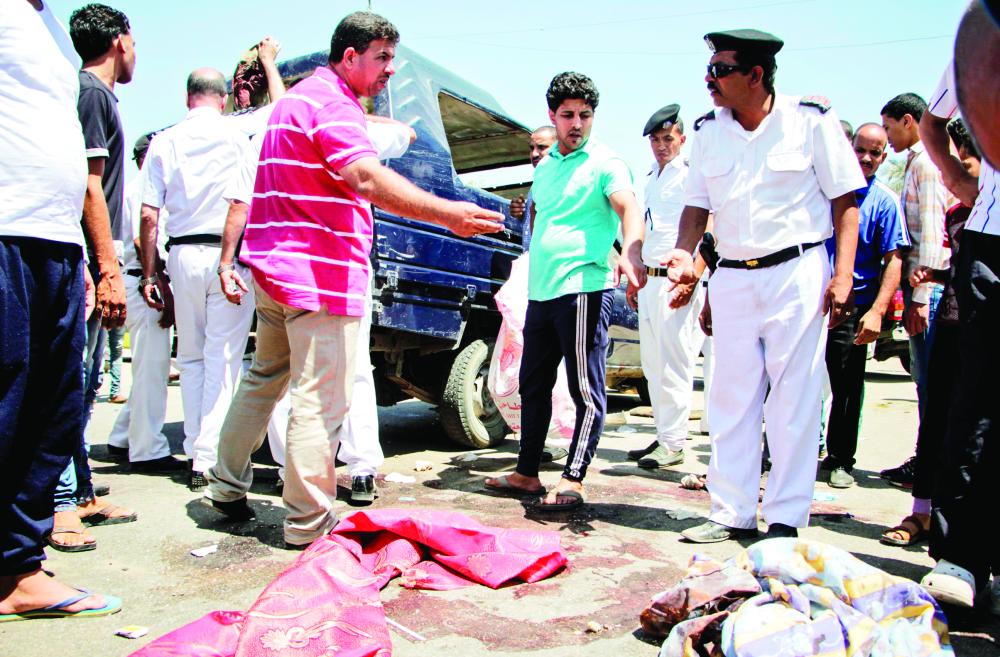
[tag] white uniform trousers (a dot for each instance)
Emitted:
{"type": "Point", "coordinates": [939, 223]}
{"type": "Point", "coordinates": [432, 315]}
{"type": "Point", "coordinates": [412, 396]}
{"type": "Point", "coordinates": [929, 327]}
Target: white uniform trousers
{"type": "Point", "coordinates": [768, 327]}
{"type": "Point", "coordinates": [360, 449]}
{"type": "Point", "coordinates": [211, 337]}
{"type": "Point", "coordinates": [669, 342]}
{"type": "Point", "coordinates": [139, 426]}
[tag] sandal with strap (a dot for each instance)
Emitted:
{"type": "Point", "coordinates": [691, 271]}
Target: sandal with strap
{"type": "Point", "coordinates": [911, 527]}
{"type": "Point", "coordinates": [104, 516]}
{"type": "Point", "coordinates": [62, 547]}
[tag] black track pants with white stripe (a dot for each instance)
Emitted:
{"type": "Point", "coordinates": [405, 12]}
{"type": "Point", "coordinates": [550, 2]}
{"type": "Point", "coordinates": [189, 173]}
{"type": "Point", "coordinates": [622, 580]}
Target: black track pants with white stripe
{"type": "Point", "coordinates": [574, 327]}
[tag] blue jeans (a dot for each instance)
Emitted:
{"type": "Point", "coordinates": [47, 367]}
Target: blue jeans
{"type": "Point", "coordinates": [920, 344]}
{"type": "Point", "coordinates": [116, 337]}
{"type": "Point", "coordinates": [41, 388]}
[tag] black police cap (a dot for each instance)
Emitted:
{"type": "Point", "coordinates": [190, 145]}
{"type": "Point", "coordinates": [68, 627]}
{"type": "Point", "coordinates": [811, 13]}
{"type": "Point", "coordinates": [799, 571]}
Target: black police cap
{"type": "Point", "coordinates": [665, 117]}
{"type": "Point", "coordinates": [744, 41]}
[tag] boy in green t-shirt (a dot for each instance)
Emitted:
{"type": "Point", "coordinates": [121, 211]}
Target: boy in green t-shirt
{"type": "Point", "coordinates": [582, 191]}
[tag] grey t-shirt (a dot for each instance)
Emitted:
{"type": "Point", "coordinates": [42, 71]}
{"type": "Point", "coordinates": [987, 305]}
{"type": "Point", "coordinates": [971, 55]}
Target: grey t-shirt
{"type": "Point", "coordinates": [103, 137]}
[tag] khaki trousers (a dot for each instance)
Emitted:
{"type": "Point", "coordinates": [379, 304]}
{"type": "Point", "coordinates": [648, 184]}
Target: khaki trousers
{"type": "Point", "coordinates": [312, 353]}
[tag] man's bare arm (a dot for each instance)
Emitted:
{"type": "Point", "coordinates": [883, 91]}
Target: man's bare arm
{"type": "Point", "coordinates": [97, 226]}
{"type": "Point", "coordinates": [845, 232]}
{"type": "Point", "coordinates": [391, 191]}
{"type": "Point", "coordinates": [630, 264]}
{"type": "Point", "coordinates": [267, 51]}
{"type": "Point", "coordinates": [870, 325]}
{"type": "Point", "coordinates": [934, 134]}
{"type": "Point", "coordinates": [233, 285]}
{"type": "Point", "coordinates": [680, 260]}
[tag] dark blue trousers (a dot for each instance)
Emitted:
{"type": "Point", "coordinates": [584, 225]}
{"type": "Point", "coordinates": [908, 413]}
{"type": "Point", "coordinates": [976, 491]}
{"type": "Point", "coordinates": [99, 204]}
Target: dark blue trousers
{"type": "Point", "coordinates": [574, 327]}
{"type": "Point", "coordinates": [41, 388]}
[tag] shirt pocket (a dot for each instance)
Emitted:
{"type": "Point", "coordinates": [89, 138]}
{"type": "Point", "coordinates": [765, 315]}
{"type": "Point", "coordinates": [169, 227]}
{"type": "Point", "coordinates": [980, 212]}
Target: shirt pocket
{"type": "Point", "coordinates": [791, 162]}
{"type": "Point", "coordinates": [718, 174]}
{"type": "Point", "coordinates": [786, 179]}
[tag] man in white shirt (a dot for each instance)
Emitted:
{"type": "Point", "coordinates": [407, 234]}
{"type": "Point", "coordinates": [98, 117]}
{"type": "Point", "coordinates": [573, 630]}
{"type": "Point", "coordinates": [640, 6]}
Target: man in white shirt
{"type": "Point", "coordinates": [186, 172]}
{"type": "Point", "coordinates": [138, 430]}
{"type": "Point", "coordinates": [779, 177]}
{"type": "Point", "coordinates": [669, 336]}
{"type": "Point", "coordinates": [965, 491]}
{"type": "Point", "coordinates": [43, 176]}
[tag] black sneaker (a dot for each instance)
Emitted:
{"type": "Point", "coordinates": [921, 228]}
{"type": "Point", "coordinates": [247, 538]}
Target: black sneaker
{"type": "Point", "coordinates": [363, 489]}
{"type": "Point", "coordinates": [778, 530]}
{"type": "Point", "coordinates": [197, 481]}
{"type": "Point", "coordinates": [237, 510]}
{"type": "Point", "coordinates": [636, 454]}
{"type": "Point", "coordinates": [118, 453]}
{"type": "Point", "coordinates": [903, 475]}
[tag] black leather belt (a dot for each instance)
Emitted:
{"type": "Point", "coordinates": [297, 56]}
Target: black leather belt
{"type": "Point", "coordinates": [134, 272]}
{"type": "Point", "coordinates": [205, 239]}
{"type": "Point", "coordinates": [656, 271]}
{"type": "Point", "coordinates": [771, 259]}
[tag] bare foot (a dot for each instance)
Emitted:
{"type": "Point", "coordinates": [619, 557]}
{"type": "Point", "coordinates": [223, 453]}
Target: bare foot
{"type": "Point", "coordinates": [77, 534]}
{"type": "Point", "coordinates": [556, 497]}
{"type": "Point", "coordinates": [517, 481]}
{"type": "Point", "coordinates": [101, 510]}
{"type": "Point", "coordinates": [36, 590]}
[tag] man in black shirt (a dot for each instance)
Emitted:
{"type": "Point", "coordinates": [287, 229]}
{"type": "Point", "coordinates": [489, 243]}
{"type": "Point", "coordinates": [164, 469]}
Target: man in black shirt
{"type": "Point", "coordinates": [102, 37]}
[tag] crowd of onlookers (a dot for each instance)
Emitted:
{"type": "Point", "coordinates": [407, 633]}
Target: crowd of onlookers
{"type": "Point", "coordinates": [774, 249]}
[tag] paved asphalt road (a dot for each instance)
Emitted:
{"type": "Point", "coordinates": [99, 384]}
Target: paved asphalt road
{"type": "Point", "coordinates": [623, 546]}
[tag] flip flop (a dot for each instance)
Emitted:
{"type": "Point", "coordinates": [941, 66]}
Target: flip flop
{"type": "Point", "coordinates": [506, 487]}
{"type": "Point", "coordinates": [578, 501]}
{"type": "Point", "coordinates": [82, 547]}
{"type": "Point", "coordinates": [112, 605]}
{"type": "Point", "coordinates": [103, 517]}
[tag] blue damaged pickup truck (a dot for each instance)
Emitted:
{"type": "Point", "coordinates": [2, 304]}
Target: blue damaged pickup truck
{"type": "Point", "coordinates": [434, 320]}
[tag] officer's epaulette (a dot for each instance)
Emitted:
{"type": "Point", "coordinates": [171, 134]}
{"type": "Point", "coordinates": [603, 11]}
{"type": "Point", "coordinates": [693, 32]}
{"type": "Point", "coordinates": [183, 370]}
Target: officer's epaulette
{"type": "Point", "coordinates": [701, 119]}
{"type": "Point", "coordinates": [822, 103]}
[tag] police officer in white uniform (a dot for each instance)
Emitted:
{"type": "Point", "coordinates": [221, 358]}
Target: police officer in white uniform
{"type": "Point", "coordinates": [779, 177]}
{"type": "Point", "coordinates": [669, 335]}
{"type": "Point", "coordinates": [138, 430]}
{"type": "Point", "coordinates": [187, 170]}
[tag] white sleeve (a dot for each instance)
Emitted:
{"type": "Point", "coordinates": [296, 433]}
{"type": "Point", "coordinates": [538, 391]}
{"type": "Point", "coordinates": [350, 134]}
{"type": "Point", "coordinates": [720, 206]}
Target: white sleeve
{"type": "Point", "coordinates": [944, 102]}
{"type": "Point", "coordinates": [240, 186]}
{"type": "Point", "coordinates": [389, 139]}
{"type": "Point", "coordinates": [834, 161]}
{"type": "Point", "coordinates": [154, 186]}
{"type": "Point", "coordinates": [695, 189]}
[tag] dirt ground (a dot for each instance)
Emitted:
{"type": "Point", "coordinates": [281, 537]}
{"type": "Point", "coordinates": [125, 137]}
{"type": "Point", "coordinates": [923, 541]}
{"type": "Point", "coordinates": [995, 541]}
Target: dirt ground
{"type": "Point", "coordinates": [623, 546]}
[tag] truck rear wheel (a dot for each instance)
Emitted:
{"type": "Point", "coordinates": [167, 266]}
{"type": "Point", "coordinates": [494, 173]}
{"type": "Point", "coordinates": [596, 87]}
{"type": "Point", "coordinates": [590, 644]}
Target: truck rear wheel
{"type": "Point", "coordinates": [467, 410]}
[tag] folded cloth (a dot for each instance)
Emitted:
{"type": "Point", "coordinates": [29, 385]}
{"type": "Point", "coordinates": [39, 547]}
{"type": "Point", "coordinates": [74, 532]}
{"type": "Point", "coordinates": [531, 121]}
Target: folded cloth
{"type": "Point", "coordinates": [327, 601]}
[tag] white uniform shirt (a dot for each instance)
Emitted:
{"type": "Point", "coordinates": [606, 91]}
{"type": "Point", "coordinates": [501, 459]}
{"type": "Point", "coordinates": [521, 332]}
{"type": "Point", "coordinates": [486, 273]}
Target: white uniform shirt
{"type": "Point", "coordinates": [771, 188]}
{"type": "Point", "coordinates": [130, 226]}
{"type": "Point", "coordinates": [43, 168]}
{"type": "Point", "coordinates": [664, 202]}
{"type": "Point", "coordinates": [188, 168]}
{"type": "Point", "coordinates": [985, 216]}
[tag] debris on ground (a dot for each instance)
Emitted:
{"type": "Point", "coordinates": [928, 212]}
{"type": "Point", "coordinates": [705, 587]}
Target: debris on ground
{"type": "Point", "coordinates": [682, 514]}
{"type": "Point", "coordinates": [468, 457]}
{"type": "Point", "coordinates": [397, 478]}
{"type": "Point", "coordinates": [593, 627]}
{"type": "Point", "coordinates": [205, 551]}
{"type": "Point", "coordinates": [132, 631]}
{"type": "Point", "coordinates": [423, 466]}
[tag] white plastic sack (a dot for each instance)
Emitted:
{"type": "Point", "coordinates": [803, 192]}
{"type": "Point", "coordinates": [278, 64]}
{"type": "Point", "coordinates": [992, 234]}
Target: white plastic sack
{"type": "Point", "coordinates": [512, 300]}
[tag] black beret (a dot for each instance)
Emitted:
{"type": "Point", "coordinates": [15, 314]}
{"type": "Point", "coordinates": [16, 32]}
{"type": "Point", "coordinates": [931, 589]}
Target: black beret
{"type": "Point", "coordinates": [141, 146]}
{"type": "Point", "coordinates": [665, 117]}
{"type": "Point", "coordinates": [744, 41]}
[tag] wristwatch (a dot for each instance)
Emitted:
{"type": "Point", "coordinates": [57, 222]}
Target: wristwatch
{"type": "Point", "coordinates": [143, 282]}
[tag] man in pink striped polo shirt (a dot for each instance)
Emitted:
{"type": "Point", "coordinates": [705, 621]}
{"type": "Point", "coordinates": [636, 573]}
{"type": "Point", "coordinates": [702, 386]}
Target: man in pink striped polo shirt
{"type": "Point", "coordinates": [307, 242]}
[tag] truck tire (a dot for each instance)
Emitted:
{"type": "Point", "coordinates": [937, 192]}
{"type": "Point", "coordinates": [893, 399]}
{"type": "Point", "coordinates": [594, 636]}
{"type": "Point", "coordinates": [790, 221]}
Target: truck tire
{"type": "Point", "coordinates": [467, 411]}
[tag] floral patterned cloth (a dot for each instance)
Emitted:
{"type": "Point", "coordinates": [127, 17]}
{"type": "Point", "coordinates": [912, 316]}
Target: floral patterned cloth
{"type": "Point", "coordinates": [328, 603]}
{"type": "Point", "coordinates": [815, 599]}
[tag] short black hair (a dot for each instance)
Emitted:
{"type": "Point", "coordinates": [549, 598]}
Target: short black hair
{"type": "Point", "coordinates": [206, 85]}
{"type": "Point", "coordinates": [571, 85]}
{"type": "Point", "coordinates": [904, 104]}
{"type": "Point", "coordinates": [357, 31]}
{"type": "Point", "coordinates": [847, 128]}
{"type": "Point", "coordinates": [751, 58]}
{"type": "Point", "coordinates": [960, 136]}
{"type": "Point", "coordinates": [93, 27]}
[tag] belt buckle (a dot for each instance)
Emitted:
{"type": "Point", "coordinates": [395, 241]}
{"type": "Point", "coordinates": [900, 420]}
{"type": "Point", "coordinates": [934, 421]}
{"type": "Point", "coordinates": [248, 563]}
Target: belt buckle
{"type": "Point", "coordinates": [752, 264]}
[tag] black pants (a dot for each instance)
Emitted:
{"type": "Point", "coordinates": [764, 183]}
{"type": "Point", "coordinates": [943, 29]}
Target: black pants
{"type": "Point", "coordinates": [942, 377]}
{"type": "Point", "coordinates": [845, 363]}
{"type": "Point", "coordinates": [574, 327]}
{"type": "Point", "coordinates": [41, 388]}
{"type": "Point", "coordinates": [964, 501]}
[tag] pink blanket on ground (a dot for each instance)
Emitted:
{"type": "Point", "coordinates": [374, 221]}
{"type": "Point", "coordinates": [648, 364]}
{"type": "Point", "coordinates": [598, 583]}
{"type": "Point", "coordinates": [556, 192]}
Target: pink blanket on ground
{"type": "Point", "coordinates": [327, 601]}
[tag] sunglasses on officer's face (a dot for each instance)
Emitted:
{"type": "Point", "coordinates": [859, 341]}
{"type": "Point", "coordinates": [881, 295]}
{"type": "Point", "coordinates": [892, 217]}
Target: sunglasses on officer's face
{"type": "Point", "coordinates": [721, 70]}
